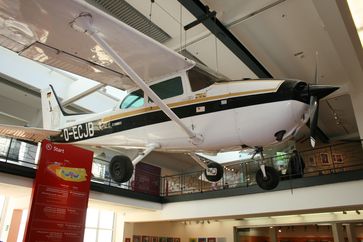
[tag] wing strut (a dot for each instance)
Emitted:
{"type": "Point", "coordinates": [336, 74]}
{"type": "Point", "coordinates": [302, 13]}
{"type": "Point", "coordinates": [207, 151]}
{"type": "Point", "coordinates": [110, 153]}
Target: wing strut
{"type": "Point", "coordinates": [198, 160]}
{"type": "Point", "coordinates": [149, 148]}
{"type": "Point", "coordinates": [83, 23]}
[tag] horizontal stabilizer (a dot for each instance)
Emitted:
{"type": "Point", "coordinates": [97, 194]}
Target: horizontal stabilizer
{"type": "Point", "coordinates": [26, 133]}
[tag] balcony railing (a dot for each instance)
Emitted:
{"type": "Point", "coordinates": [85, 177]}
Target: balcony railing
{"type": "Point", "coordinates": [322, 161]}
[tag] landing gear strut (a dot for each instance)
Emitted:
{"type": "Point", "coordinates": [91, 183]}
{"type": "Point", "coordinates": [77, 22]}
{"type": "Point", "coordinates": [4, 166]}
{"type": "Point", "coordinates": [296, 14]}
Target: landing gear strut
{"type": "Point", "coordinates": [266, 177]}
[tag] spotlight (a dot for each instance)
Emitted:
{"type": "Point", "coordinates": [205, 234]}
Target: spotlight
{"type": "Point", "coordinates": [279, 230]}
{"type": "Point", "coordinates": [344, 212]}
{"type": "Point", "coordinates": [357, 211]}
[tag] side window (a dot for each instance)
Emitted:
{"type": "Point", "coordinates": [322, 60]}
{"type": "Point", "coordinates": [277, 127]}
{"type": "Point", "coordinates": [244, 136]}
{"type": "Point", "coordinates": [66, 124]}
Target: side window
{"type": "Point", "coordinates": [199, 80]}
{"type": "Point", "coordinates": [169, 88]}
{"type": "Point", "coordinates": [134, 100]}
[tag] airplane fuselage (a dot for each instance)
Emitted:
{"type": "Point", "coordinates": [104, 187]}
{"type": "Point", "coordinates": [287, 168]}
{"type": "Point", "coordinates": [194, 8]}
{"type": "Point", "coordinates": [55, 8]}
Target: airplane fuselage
{"type": "Point", "coordinates": [225, 115]}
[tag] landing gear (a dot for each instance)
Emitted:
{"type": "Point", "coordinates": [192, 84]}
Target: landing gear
{"type": "Point", "coordinates": [266, 177]}
{"type": "Point", "coordinates": [121, 168]}
{"type": "Point", "coordinates": [214, 172]}
{"type": "Point", "coordinates": [269, 180]}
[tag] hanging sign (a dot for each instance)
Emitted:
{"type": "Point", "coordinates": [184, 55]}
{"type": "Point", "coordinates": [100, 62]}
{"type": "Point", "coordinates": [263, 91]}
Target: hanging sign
{"type": "Point", "coordinates": [60, 194]}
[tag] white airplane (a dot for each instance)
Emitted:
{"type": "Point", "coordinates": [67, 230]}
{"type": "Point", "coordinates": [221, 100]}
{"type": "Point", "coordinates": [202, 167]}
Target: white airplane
{"type": "Point", "coordinates": [172, 104]}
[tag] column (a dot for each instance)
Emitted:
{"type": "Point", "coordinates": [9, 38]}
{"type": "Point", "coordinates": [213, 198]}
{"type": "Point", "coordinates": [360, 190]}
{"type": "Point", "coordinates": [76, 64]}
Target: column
{"type": "Point", "coordinates": [337, 229]}
{"type": "Point", "coordinates": [273, 234]}
{"type": "Point", "coordinates": [350, 228]}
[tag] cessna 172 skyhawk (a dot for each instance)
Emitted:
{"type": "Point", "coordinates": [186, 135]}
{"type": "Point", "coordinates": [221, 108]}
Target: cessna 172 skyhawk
{"type": "Point", "coordinates": [173, 105]}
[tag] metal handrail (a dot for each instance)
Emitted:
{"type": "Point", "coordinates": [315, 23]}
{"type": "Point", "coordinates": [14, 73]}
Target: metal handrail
{"type": "Point", "coordinates": [195, 182]}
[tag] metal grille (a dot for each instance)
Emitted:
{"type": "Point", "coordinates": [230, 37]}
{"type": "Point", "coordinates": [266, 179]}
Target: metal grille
{"type": "Point", "coordinates": [126, 13]}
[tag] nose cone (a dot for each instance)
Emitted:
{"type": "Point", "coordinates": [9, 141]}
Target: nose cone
{"type": "Point", "coordinates": [320, 91]}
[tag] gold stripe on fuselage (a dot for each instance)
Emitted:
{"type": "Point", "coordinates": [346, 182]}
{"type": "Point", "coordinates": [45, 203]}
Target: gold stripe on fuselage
{"type": "Point", "coordinates": [184, 103]}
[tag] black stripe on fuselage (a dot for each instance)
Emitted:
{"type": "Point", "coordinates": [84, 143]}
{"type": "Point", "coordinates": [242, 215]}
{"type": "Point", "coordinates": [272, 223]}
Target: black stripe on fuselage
{"type": "Point", "coordinates": [286, 91]}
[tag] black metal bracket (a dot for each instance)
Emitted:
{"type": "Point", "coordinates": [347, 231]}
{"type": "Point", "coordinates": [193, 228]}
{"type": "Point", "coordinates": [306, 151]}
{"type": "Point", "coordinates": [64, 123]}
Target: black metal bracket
{"type": "Point", "coordinates": [208, 15]}
{"type": "Point", "coordinates": [200, 11]}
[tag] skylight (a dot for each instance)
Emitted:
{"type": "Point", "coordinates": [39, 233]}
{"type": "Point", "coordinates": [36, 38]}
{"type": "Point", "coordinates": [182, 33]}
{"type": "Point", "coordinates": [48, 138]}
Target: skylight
{"type": "Point", "coordinates": [356, 8]}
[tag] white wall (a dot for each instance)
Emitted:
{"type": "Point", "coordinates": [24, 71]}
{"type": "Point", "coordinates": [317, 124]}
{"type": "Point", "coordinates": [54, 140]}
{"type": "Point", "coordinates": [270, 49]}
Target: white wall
{"type": "Point", "coordinates": [288, 201]}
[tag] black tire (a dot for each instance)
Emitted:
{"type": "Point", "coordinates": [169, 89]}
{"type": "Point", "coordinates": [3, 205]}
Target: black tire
{"type": "Point", "coordinates": [121, 168]}
{"type": "Point", "coordinates": [271, 181]}
{"type": "Point", "coordinates": [218, 172]}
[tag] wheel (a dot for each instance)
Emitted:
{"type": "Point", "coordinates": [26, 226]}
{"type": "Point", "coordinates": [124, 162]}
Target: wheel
{"type": "Point", "coordinates": [121, 168]}
{"type": "Point", "coordinates": [214, 172]}
{"type": "Point", "coordinates": [271, 180]}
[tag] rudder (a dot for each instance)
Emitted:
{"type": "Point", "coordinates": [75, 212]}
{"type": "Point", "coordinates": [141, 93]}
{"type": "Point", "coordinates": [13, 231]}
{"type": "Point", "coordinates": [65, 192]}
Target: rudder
{"type": "Point", "coordinates": [53, 113]}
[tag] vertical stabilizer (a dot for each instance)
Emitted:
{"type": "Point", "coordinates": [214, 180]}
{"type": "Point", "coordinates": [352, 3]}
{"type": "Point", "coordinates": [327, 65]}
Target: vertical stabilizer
{"type": "Point", "coordinates": [54, 115]}
{"type": "Point", "coordinates": [51, 110]}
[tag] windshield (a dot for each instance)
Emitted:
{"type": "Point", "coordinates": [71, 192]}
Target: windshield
{"type": "Point", "coordinates": [165, 89]}
{"type": "Point", "coordinates": [134, 100]}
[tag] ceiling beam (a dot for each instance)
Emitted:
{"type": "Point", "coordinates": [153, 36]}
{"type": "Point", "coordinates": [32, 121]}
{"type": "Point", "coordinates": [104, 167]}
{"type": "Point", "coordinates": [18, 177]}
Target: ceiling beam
{"type": "Point", "coordinates": [200, 12]}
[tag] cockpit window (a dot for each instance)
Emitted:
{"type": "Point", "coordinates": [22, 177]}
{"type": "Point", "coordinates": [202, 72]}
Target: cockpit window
{"type": "Point", "coordinates": [134, 100]}
{"type": "Point", "coordinates": [165, 89]}
{"type": "Point", "coordinates": [200, 79]}
{"type": "Point", "coordinates": [169, 88]}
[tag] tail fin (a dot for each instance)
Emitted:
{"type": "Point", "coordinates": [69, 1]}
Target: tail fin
{"type": "Point", "coordinates": [54, 116]}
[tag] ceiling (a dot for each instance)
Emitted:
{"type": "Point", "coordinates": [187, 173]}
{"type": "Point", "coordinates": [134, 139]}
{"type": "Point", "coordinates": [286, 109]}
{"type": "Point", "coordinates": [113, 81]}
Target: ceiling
{"type": "Point", "coordinates": [288, 37]}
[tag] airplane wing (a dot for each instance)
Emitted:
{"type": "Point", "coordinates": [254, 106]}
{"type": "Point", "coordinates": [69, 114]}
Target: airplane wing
{"type": "Point", "coordinates": [26, 133]}
{"type": "Point", "coordinates": [41, 30]}
{"type": "Point", "coordinates": [77, 37]}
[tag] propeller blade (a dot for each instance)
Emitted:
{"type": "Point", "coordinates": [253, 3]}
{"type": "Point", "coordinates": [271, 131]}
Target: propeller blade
{"type": "Point", "coordinates": [314, 107]}
{"type": "Point", "coordinates": [316, 69]}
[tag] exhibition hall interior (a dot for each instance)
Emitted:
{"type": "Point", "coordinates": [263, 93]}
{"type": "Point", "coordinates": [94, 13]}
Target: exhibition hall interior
{"type": "Point", "coordinates": [181, 120]}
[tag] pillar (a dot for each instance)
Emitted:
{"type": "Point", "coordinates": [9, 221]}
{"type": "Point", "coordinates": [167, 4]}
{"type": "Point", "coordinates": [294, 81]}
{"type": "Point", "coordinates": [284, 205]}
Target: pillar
{"type": "Point", "coordinates": [337, 229]}
{"type": "Point", "coordinates": [350, 228]}
{"type": "Point", "coordinates": [273, 234]}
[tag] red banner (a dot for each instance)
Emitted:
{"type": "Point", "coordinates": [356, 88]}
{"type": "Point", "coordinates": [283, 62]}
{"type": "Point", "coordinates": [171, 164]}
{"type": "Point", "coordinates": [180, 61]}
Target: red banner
{"type": "Point", "coordinates": [60, 194]}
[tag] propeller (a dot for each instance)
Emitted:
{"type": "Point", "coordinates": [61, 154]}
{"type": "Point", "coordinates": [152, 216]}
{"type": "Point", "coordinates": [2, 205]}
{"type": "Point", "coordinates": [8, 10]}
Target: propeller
{"type": "Point", "coordinates": [314, 106]}
{"type": "Point", "coordinates": [316, 92]}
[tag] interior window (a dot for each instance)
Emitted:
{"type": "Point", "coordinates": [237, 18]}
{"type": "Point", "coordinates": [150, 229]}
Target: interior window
{"type": "Point", "coordinates": [169, 88]}
{"type": "Point", "coordinates": [134, 100]}
{"type": "Point", "coordinates": [199, 79]}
